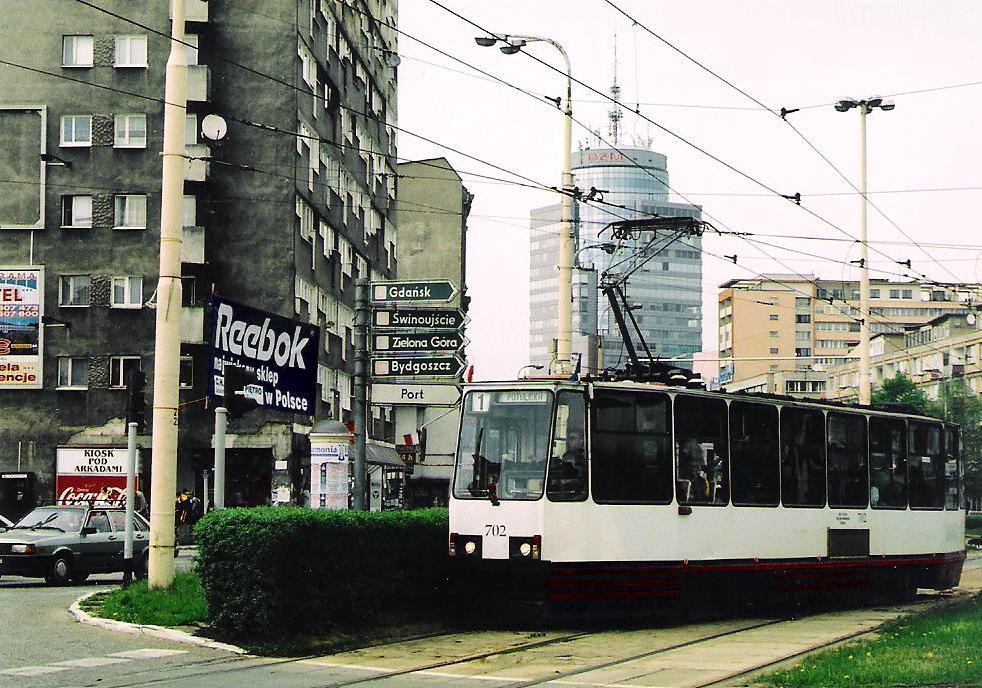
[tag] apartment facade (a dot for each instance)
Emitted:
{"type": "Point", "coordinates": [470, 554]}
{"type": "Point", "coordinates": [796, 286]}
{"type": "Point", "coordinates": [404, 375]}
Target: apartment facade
{"type": "Point", "coordinates": [778, 333]}
{"type": "Point", "coordinates": [282, 214]}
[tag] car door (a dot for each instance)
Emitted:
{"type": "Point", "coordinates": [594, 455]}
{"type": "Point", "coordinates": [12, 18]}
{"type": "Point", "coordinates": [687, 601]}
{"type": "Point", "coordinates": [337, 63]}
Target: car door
{"type": "Point", "coordinates": [141, 537]}
{"type": "Point", "coordinates": [97, 548]}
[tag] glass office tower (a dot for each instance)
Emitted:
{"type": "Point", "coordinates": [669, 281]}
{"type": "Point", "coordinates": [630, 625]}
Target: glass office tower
{"type": "Point", "coordinates": [665, 294]}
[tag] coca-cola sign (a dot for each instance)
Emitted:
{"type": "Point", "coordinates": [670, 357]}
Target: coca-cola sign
{"type": "Point", "coordinates": [91, 475]}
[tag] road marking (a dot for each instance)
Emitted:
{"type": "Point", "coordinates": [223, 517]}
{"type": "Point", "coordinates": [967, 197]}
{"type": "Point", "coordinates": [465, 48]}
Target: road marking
{"type": "Point", "coordinates": [148, 653]}
{"type": "Point", "coordinates": [471, 677]}
{"type": "Point", "coordinates": [34, 670]}
{"type": "Point", "coordinates": [86, 662]}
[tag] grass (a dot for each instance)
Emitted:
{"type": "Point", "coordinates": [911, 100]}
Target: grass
{"type": "Point", "coordinates": [938, 647]}
{"type": "Point", "coordinates": [973, 526]}
{"type": "Point", "coordinates": [181, 604]}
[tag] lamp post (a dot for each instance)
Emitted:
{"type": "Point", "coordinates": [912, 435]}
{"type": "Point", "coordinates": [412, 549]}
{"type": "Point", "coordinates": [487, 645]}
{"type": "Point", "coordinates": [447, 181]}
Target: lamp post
{"type": "Point", "coordinates": [511, 44]}
{"type": "Point", "coordinates": [865, 107]}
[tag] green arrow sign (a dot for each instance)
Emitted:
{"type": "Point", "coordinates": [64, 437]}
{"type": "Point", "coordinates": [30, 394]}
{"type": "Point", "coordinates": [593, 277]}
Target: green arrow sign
{"type": "Point", "coordinates": [418, 366]}
{"type": "Point", "coordinates": [413, 291]}
{"type": "Point", "coordinates": [418, 318]}
{"type": "Point", "coordinates": [448, 340]}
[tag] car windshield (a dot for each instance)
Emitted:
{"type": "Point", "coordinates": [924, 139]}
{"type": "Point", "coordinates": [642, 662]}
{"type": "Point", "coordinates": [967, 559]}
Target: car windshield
{"type": "Point", "coordinates": [504, 444]}
{"type": "Point", "coordinates": [65, 520]}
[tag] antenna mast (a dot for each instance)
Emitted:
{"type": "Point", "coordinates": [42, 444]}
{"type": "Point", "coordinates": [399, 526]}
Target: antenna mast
{"type": "Point", "coordinates": [615, 114]}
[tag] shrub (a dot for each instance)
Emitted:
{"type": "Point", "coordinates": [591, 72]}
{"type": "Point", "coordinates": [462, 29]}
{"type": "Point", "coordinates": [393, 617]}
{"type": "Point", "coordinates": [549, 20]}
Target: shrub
{"type": "Point", "coordinates": [289, 570]}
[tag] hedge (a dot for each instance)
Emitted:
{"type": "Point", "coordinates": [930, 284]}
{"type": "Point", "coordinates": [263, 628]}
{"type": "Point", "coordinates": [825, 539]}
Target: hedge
{"type": "Point", "coordinates": [282, 570]}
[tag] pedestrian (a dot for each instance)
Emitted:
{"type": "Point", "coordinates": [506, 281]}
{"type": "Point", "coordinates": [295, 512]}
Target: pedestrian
{"type": "Point", "coordinates": [194, 505]}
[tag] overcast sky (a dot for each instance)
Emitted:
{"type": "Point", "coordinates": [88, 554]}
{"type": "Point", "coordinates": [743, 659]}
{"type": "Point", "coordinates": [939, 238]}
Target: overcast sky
{"type": "Point", "coordinates": [784, 53]}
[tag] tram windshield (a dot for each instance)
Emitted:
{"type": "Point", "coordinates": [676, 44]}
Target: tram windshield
{"type": "Point", "coordinates": [504, 444]}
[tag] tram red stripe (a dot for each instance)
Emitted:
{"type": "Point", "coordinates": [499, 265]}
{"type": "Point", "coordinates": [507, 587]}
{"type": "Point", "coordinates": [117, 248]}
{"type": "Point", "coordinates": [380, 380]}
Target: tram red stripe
{"type": "Point", "coordinates": [627, 595]}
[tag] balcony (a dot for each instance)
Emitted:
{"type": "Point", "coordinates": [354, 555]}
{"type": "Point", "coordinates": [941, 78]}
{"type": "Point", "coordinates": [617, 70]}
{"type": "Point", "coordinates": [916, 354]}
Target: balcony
{"type": "Point", "coordinates": [196, 169]}
{"type": "Point", "coordinates": [194, 11]}
{"type": "Point", "coordinates": [193, 245]}
{"type": "Point", "coordinates": [199, 83]}
{"type": "Point", "coordinates": [192, 325]}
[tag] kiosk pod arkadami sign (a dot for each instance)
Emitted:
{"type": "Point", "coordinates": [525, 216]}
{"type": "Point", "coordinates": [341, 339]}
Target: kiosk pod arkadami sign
{"type": "Point", "coordinates": [91, 475]}
{"type": "Point", "coordinates": [280, 351]}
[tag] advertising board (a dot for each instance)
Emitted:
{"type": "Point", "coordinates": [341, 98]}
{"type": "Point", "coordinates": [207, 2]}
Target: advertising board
{"type": "Point", "coordinates": [21, 308]}
{"type": "Point", "coordinates": [282, 353]}
{"type": "Point", "coordinates": [328, 474]}
{"type": "Point", "coordinates": [95, 475]}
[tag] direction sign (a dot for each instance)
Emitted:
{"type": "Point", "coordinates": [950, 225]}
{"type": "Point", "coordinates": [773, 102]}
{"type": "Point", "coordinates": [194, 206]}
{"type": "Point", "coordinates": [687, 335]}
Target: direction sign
{"type": "Point", "coordinates": [418, 366]}
{"type": "Point", "coordinates": [434, 340]}
{"type": "Point", "coordinates": [443, 318]}
{"type": "Point", "coordinates": [413, 291]}
{"type": "Point", "coordinates": [411, 394]}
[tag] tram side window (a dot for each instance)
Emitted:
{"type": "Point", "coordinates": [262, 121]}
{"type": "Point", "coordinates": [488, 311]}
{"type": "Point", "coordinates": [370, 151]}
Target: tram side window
{"type": "Point", "coordinates": [927, 466]}
{"type": "Point", "coordinates": [953, 468]}
{"type": "Point", "coordinates": [567, 480]}
{"type": "Point", "coordinates": [888, 463]}
{"type": "Point", "coordinates": [702, 474]}
{"type": "Point", "coordinates": [754, 454]}
{"type": "Point", "coordinates": [630, 447]}
{"type": "Point", "coordinates": [802, 457]}
{"type": "Point", "coordinates": [848, 461]}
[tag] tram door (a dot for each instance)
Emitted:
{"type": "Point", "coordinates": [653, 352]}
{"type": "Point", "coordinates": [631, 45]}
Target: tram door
{"type": "Point", "coordinates": [17, 494]}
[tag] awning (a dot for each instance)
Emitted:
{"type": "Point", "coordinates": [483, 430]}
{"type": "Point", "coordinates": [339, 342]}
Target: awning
{"type": "Point", "coordinates": [381, 455]}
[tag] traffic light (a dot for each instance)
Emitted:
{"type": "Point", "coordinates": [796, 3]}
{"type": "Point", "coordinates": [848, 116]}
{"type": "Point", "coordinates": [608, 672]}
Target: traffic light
{"type": "Point", "coordinates": [241, 386]}
{"type": "Point", "coordinates": [136, 403]}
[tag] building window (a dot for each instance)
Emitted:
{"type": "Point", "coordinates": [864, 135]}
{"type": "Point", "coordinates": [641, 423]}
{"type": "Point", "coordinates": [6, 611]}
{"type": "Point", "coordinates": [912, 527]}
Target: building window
{"type": "Point", "coordinates": [74, 290]}
{"type": "Point", "coordinates": [76, 211]}
{"type": "Point", "coordinates": [131, 212]}
{"type": "Point", "coordinates": [73, 373]}
{"type": "Point", "coordinates": [802, 301]}
{"type": "Point", "coordinates": [803, 335]}
{"type": "Point", "coordinates": [803, 353]}
{"type": "Point", "coordinates": [128, 292]}
{"type": "Point", "coordinates": [76, 51]}
{"type": "Point", "coordinates": [874, 293]}
{"type": "Point", "coordinates": [773, 333]}
{"type": "Point", "coordinates": [131, 131]}
{"type": "Point", "coordinates": [187, 372]}
{"type": "Point", "coordinates": [773, 350]}
{"type": "Point", "coordinates": [121, 367]}
{"type": "Point", "coordinates": [190, 130]}
{"type": "Point", "coordinates": [908, 293]}
{"type": "Point", "coordinates": [773, 316]}
{"type": "Point", "coordinates": [894, 293]}
{"type": "Point", "coordinates": [131, 51]}
{"type": "Point", "coordinates": [802, 318]}
{"type": "Point", "coordinates": [76, 130]}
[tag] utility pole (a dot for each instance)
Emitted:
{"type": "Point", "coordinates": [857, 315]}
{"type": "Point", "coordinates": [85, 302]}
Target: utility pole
{"type": "Point", "coordinates": [360, 411]}
{"type": "Point", "coordinates": [221, 423]}
{"type": "Point", "coordinates": [130, 499]}
{"type": "Point", "coordinates": [167, 347]}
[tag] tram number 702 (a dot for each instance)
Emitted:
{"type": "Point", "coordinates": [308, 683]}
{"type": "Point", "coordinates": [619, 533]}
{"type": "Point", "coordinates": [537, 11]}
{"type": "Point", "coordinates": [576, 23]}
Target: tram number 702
{"type": "Point", "coordinates": [494, 530]}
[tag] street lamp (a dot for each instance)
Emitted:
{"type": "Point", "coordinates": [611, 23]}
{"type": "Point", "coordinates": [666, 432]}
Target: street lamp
{"type": "Point", "coordinates": [511, 44]}
{"type": "Point", "coordinates": [865, 107]}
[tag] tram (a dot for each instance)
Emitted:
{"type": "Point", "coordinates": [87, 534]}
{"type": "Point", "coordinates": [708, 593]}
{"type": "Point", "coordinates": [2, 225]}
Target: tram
{"type": "Point", "coordinates": [631, 494]}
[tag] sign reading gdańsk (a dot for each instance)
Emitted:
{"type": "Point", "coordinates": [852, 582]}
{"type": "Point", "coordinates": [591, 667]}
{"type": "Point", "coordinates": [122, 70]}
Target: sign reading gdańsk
{"type": "Point", "coordinates": [413, 291]}
{"type": "Point", "coordinates": [282, 352]}
{"type": "Point", "coordinates": [91, 475]}
{"type": "Point", "coordinates": [21, 308]}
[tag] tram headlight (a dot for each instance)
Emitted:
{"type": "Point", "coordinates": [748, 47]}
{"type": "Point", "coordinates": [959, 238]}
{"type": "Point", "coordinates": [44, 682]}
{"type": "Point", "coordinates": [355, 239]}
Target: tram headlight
{"type": "Point", "coordinates": [452, 545]}
{"type": "Point", "coordinates": [470, 547]}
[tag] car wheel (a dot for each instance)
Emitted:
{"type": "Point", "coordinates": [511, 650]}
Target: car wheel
{"type": "Point", "coordinates": [60, 571]}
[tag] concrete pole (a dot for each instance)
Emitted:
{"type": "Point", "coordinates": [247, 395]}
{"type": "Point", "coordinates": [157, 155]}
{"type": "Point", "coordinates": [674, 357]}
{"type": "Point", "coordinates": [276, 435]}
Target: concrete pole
{"type": "Point", "coordinates": [130, 499]}
{"type": "Point", "coordinates": [564, 293]}
{"type": "Point", "coordinates": [204, 492]}
{"type": "Point", "coordinates": [360, 411]}
{"type": "Point", "coordinates": [864, 382]}
{"type": "Point", "coordinates": [221, 422]}
{"type": "Point", "coordinates": [167, 351]}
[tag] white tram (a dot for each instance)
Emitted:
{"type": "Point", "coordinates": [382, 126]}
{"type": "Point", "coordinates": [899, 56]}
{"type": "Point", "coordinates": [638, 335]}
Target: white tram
{"type": "Point", "coordinates": [620, 491]}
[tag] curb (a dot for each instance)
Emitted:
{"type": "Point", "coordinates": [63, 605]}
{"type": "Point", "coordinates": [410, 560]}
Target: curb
{"type": "Point", "coordinates": [161, 632]}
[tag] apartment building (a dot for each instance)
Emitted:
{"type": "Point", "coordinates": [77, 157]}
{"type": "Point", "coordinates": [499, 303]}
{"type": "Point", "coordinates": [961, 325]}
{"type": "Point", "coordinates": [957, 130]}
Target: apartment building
{"type": "Point", "coordinates": [282, 213]}
{"type": "Point", "coordinates": [778, 333]}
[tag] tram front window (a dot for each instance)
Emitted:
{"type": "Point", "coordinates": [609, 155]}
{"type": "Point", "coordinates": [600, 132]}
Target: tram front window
{"type": "Point", "coordinates": [504, 444]}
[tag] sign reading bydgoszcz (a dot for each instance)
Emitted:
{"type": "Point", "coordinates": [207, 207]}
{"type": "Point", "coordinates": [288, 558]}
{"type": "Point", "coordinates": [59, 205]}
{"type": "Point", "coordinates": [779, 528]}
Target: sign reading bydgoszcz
{"type": "Point", "coordinates": [446, 340]}
{"type": "Point", "coordinates": [282, 352]}
{"type": "Point", "coordinates": [21, 308]}
{"type": "Point", "coordinates": [406, 318]}
{"type": "Point", "coordinates": [417, 366]}
{"type": "Point", "coordinates": [413, 291]}
{"type": "Point", "coordinates": [91, 475]}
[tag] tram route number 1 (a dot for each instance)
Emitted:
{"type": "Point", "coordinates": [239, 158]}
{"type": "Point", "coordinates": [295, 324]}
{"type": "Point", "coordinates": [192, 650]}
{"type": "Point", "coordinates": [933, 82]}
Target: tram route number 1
{"type": "Point", "coordinates": [494, 530]}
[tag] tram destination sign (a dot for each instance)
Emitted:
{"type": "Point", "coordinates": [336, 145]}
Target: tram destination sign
{"type": "Point", "coordinates": [417, 366]}
{"type": "Point", "coordinates": [413, 291]}
{"type": "Point", "coordinates": [415, 318]}
{"type": "Point", "coordinates": [434, 340]}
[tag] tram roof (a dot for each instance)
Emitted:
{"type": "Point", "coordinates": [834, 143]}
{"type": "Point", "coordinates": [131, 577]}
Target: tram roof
{"type": "Point", "coordinates": [776, 399]}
